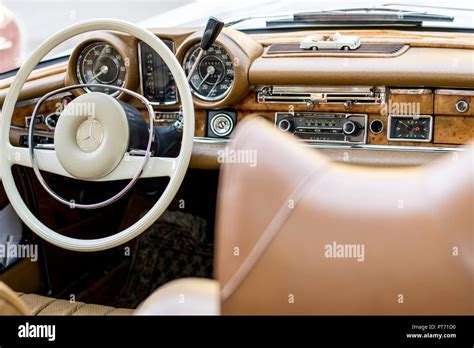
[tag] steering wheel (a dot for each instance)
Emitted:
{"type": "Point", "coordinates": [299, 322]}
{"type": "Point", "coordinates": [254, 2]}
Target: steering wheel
{"type": "Point", "coordinates": [109, 160]}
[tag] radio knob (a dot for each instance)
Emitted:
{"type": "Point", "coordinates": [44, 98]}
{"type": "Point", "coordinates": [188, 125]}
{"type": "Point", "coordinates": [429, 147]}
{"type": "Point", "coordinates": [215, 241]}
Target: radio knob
{"type": "Point", "coordinates": [284, 125]}
{"type": "Point", "coordinates": [349, 128]}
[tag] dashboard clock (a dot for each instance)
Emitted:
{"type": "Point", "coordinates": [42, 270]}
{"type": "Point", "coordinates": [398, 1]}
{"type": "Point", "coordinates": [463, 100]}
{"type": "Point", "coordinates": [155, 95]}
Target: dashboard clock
{"type": "Point", "coordinates": [101, 63]}
{"type": "Point", "coordinates": [410, 128]}
{"type": "Point", "coordinates": [214, 75]}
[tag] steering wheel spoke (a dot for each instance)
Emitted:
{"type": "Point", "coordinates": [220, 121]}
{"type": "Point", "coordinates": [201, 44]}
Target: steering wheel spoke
{"type": "Point", "coordinates": [48, 161]}
{"type": "Point", "coordinates": [155, 167]}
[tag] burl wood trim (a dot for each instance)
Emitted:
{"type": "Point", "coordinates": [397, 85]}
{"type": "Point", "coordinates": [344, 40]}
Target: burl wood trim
{"type": "Point", "coordinates": [403, 101]}
{"type": "Point", "coordinates": [48, 107]}
{"type": "Point", "coordinates": [448, 131]}
{"type": "Point", "coordinates": [453, 129]}
{"type": "Point", "coordinates": [446, 104]}
{"type": "Point", "coordinates": [200, 123]}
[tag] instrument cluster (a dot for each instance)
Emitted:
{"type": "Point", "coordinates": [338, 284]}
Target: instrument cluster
{"type": "Point", "coordinates": [99, 62]}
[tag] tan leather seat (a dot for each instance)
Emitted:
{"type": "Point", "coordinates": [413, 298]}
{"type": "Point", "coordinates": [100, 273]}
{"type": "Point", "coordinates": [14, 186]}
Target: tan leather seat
{"type": "Point", "coordinates": [187, 296]}
{"type": "Point", "coordinates": [42, 305]}
{"type": "Point", "coordinates": [278, 219]}
{"type": "Point", "coordinates": [12, 303]}
{"type": "Point", "coordinates": [298, 234]}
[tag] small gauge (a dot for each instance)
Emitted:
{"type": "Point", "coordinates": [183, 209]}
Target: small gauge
{"type": "Point", "coordinates": [100, 63]}
{"type": "Point", "coordinates": [410, 128]}
{"type": "Point", "coordinates": [214, 75]}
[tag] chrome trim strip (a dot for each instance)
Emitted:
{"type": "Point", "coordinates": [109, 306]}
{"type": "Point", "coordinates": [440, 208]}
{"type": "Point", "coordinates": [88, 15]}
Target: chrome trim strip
{"type": "Point", "coordinates": [389, 148]}
{"type": "Point", "coordinates": [321, 94]}
{"type": "Point", "coordinates": [217, 141]}
{"type": "Point", "coordinates": [454, 92]}
{"type": "Point", "coordinates": [404, 91]}
{"type": "Point", "coordinates": [206, 140]}
{"type": "Point", "coordinates": [319, 89]}
{"type": "Point", "coordinates": [140, 71]}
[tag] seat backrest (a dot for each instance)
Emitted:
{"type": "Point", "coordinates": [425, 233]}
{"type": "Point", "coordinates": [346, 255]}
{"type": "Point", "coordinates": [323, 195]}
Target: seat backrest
{"type": "Point", "coordinates": [299, 234]}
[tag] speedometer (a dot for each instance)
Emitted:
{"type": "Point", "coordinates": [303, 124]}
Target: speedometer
{"type": "Point", "coordinates": [214, 75]}
{"type": "Point", "coordinates": [101, 63]}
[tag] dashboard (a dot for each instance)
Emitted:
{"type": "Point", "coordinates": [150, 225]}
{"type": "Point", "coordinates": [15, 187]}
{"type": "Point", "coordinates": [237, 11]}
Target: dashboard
{"type": "Point", "coordinates": [401, 91]}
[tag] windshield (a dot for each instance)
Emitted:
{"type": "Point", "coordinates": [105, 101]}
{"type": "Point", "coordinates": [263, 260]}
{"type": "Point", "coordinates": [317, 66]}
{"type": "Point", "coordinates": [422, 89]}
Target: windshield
{"type": "Point", "coordinates": [24, 24]}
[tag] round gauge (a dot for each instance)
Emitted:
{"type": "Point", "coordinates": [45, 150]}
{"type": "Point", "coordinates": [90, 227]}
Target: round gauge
{"type": "Point", "coordinates": [214, 74]}
{"type": "Point", "coordinates": [100, 63]}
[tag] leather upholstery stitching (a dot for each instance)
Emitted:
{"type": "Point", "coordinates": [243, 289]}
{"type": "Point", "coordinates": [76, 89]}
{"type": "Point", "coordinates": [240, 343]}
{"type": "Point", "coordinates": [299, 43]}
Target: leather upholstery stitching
{"type": "Point", "coordinates": [40, 309]}
{"type": "Point", "coordinates": [109, 310]}
{"type": "Point", "coordinates": [81, 305]}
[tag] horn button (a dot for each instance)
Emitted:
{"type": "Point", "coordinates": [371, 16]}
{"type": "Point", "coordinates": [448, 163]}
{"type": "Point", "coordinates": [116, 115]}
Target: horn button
{"type": "Point", "coordinates": [91, 136]}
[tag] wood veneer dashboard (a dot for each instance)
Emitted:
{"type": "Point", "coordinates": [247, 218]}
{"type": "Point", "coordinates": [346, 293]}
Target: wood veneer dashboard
{"type": "Point", "coordinates": [433, 71]}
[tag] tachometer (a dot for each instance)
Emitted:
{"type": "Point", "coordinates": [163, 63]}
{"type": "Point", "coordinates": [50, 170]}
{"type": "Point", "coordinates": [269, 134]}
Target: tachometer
{"type": "Point", "coordinates": [101, 63]}
{"type": "Point", "coordinates": [214, 75]}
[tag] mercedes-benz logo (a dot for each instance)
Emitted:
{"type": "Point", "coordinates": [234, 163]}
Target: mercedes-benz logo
{"type": "Point", "coordinates": [89, 135]}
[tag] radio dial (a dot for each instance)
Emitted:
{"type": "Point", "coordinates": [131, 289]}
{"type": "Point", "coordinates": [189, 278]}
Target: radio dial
{"type": "Point", "coordinates": [284, 125]}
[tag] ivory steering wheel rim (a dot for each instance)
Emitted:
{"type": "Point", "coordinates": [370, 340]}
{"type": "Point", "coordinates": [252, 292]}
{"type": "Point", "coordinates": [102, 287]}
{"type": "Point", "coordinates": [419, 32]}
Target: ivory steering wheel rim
{"type": "Point", "coordinates": [176, 168]}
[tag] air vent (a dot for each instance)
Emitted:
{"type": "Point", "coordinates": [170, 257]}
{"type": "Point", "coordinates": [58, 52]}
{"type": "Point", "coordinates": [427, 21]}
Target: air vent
{"type": "Point", "coordinates": [365, 49]}
{"type": "Point", "coordinates": [320, 95]}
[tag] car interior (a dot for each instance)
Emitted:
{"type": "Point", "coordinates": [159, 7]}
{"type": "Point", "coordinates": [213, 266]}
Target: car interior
{"type": "Point", "coordinates": [215, 170]}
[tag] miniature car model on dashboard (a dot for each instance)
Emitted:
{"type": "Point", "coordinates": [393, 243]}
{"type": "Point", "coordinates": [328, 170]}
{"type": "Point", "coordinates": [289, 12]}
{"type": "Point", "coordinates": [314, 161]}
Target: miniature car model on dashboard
{"type": "Point", "coordinates": [330, 42]}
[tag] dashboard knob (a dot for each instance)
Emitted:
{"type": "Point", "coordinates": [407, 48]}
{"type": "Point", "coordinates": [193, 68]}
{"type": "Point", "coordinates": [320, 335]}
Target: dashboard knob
{"type": "Point", "coordinates": [462, 106]}
{"type": "Point", "coordinates": [284, 125]}
{"type": "Point", "coordinates": [350, 128]}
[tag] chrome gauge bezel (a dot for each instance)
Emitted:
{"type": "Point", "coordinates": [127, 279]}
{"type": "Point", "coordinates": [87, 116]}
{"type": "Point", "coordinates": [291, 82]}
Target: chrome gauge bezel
{"type": "Point", "coordinates": [80, 69]}
{"type": "Point", "coordinates": [187, 56]}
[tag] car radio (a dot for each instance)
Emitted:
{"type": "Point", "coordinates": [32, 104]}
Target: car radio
{"type": "Point", "coordinates": [324, 127]}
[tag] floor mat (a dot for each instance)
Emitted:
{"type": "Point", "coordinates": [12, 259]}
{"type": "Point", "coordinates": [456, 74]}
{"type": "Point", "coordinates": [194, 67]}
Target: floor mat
{"type": "Point", "coordinates": [174, 247]}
